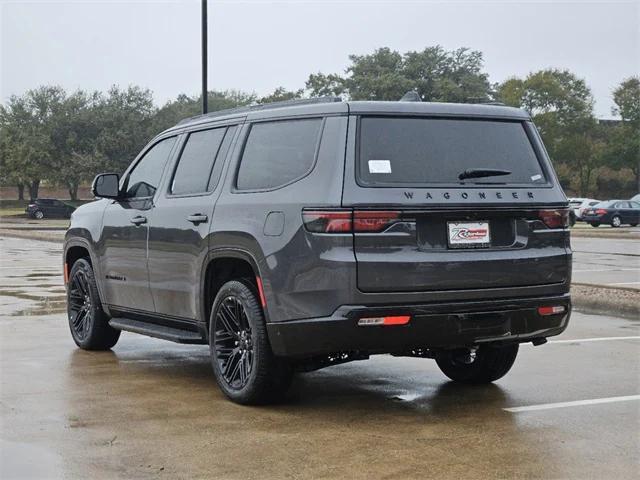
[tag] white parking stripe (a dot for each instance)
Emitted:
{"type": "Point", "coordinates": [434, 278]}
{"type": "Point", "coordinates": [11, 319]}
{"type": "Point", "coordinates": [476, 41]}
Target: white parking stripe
{"type": "Point", "coordinates": [595, 339]}
{"type": "Point", "coordinates": [613, 269]}
{"type": "Point", "coordinates": [594, 401]}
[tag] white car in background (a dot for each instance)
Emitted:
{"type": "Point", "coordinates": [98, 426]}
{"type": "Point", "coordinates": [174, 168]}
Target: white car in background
{"type": "Point", "coordinates": [578, 205]}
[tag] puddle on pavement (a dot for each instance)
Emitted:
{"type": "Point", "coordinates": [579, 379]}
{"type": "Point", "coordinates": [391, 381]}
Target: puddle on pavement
{"type": "Point", "coordinates": [37, 304]}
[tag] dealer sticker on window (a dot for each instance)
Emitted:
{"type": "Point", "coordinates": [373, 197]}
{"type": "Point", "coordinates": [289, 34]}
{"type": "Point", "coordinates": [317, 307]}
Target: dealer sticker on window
{"type": "Point", "coordinates": [468, 234]}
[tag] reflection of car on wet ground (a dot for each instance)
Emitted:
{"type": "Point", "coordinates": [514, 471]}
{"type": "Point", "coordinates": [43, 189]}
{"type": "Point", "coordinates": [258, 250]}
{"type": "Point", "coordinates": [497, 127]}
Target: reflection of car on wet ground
{"type": "Point", "coordinates": [49, 208]}
{"type": "Point", "coordinates": [291, 237]}
{"type": "Point", "coordinates": [613, 212]}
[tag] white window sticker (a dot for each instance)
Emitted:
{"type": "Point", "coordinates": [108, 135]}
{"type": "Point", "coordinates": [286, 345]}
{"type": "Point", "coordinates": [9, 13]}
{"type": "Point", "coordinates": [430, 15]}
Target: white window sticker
{"type": "Point", "coordinates": [535, 178]}
{"type": "Point", "coordinates": [379, 166]}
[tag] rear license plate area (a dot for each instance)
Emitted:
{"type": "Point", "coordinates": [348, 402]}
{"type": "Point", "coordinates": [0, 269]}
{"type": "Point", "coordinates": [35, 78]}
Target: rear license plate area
{"type": "Point", "coordinates": [468, 234]}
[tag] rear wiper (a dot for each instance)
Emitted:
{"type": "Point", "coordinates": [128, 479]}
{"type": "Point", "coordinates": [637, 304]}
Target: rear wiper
{"type": "Point", "coordinates": [482, 172]}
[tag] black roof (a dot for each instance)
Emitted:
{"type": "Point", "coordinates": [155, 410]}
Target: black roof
{"type": "Point", "coordinates": [334, 105]}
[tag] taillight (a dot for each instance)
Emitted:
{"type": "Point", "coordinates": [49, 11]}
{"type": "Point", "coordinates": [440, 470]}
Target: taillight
{"type": "Point", "coordinates": [327, 221]}
{"type": "Point", "coordinates": [551, 310]}
{"type": "Point", "coordinates": [389, 320]}
{"type": "Point", "coordinates": [600, 211]}
{"type": "Point", "coordinates": [554, 218]}
{"type": "Point", "coordinates": [373, 220]}
{"type": "Point", "coordinates": [346, 221]}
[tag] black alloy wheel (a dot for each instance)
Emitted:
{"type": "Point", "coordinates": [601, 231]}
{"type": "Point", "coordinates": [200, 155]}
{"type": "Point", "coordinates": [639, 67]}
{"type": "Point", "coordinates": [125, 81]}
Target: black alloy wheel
{"type": "Point", "coordinates": [244, 365]}
{"type": "Point", "coordinates": [233, 343]}
{"type": "Point", "coordinates": [80, 305]}
{"type": "Point", "coordinates": [88, 322]}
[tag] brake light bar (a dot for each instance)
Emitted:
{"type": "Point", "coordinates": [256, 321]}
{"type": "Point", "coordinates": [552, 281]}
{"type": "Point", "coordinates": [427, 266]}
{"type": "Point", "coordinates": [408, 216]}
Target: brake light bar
{"type": "Point", "coordinates": [378, 321]}
{"type": "Point", "coordinates": [551, 310]}
{"type": "Point", "coordinates": [348, 221]}
{"type": "Point", "coordinates": [600, 211]}
{"type": "Point", "coordinates": [555, 218]}
{"type": "Point", "coordinates": [373, 220]}
{"type": "Point", "coordinates": [328, 221]}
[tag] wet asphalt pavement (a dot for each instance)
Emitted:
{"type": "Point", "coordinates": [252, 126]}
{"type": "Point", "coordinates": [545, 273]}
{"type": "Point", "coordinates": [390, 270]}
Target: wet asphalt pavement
{"type": "Point", "coordinates": [607, 261]}
{"type": "Point", "coordinates": [151, 409]}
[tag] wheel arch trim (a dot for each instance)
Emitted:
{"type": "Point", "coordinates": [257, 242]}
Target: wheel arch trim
{"type": "Point", "coordinates": [82, 243]}
{"type": "Point", "coordinates": [226, 252]}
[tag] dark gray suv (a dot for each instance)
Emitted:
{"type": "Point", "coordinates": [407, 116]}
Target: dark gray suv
{"type": "Point", "coordinates": [294, 236]}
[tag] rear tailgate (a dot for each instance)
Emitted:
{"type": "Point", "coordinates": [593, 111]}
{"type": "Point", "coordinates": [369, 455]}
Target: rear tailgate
{"type": "Point", "coordinates": [423, 251]}
{"type": "Point", "coordinates": [432, 231]}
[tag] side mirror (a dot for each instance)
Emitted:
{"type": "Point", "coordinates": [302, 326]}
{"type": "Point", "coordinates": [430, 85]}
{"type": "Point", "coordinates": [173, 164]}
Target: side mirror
{"type": "Point", "coordinates": [106, 185]}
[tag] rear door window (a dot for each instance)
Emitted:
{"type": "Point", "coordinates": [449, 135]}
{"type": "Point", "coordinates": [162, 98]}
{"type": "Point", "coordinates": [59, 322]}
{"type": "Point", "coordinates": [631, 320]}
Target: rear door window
{"type": "Point", "coordinates": [429, 151]}
{"type": "Point", "coordinates": [277, 153]}
{"type": "Point", "coordinates": [197, 161]}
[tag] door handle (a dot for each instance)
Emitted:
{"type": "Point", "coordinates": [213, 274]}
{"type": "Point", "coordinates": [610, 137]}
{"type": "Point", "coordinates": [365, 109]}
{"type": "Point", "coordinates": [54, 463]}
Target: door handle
{"type": "Point", "coordinates": [197, 218]}
{"type": "Point", "coordinates": [139, 220]}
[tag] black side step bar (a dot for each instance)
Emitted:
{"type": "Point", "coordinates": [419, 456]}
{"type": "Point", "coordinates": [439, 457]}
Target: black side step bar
{"type": "Point", "coordinates": [157, 331]}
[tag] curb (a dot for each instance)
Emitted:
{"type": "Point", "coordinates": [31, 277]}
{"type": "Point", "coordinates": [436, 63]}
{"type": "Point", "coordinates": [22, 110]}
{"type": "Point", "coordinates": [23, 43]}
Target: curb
{"type": "Point", "coordinates": [603, 300]}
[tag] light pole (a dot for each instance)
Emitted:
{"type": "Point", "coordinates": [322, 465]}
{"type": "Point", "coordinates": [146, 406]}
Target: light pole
{"type": "Point", "coordinates": [205, 100]}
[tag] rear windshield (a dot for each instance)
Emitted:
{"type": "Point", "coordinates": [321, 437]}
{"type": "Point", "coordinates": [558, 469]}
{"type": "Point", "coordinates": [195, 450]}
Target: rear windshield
{"type": "Point", "coordinates": [414, 151]}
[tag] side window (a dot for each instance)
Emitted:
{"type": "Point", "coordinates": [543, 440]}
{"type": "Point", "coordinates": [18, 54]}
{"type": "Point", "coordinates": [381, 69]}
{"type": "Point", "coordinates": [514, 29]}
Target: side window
{"type": "Point", "coordinates": [277, 153]}
{"type": "Point", "coordinates": [199, 161]}
{"type": "Point", "coordinates": [634, 204]}
{"type": "Point", "coordinates": [144, 178]}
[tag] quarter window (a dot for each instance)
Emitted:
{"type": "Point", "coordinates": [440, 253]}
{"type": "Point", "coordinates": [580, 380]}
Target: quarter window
{"type": "Point", "coordinates": [276, 153]}
{"type": "Point", "coordinates": [197, 162]}
{"type": "Point", "coordinates": [143, 180]}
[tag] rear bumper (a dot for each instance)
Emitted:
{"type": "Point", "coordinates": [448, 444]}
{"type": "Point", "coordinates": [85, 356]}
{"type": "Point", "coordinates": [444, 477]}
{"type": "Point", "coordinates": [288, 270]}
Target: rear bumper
{"type": "Point", "coordinates": [432, 326]}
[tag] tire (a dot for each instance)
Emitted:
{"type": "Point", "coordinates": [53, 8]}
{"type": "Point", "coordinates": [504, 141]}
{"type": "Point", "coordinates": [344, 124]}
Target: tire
{"type": "Point", "coordinates": [87, 321]}
{"type": "Point", "coordinates": [595, 224]}
{"type": "Point", "coordinates": [38, 214]}
{"type": "Point", "coordinates": [616, 221]}
{"type": "Point", "coordinates": [633, 224]}
{"type": "Point", "coordinates": [490, 364]}
{"type": "Point", "coordinates": [243, 364]}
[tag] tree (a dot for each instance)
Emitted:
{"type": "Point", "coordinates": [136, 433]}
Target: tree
{"type": "Point", "coordinates": [624, 148]}
{"type": "Point", "coordinates": [321, 85]}
{"type": "Point", "coordinates": [281, 94]}
{"type": "Point", "coordinates": [124, 118]}
{"type": "Point", "coordinates": [436, 74]}
{"type": "Point", "coordinates": [74, 135]}
{"type": "Point", "coordinates": [28, 121]}
{"type": "Point", "coordinates": [185, 106]}
{"type": "Point", "coordinates": [561, 106]}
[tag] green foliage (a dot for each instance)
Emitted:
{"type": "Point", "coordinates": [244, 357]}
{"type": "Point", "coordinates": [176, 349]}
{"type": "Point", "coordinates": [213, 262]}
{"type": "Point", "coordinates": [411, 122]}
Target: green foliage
{"type": "Point", "coordinates": [65, 139]}
{"type": "Point", "coordinates": [561, 106]}
{"type": "Point", "coordinates": [281, 94]}
{"type": "Point", "coordinates": [436, 74]}
{"type": "Point", "coordinates": [624, 147]}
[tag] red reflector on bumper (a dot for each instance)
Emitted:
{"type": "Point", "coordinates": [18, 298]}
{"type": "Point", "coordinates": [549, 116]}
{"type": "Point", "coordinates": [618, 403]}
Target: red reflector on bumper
{"type": "Point", "coordinates": [393, 320]}
{"type": "Point", "coordinates": [551, 310]}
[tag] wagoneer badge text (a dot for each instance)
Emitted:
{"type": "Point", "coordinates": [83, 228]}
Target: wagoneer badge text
{"type": "Point", "coordinates": [474, 195]}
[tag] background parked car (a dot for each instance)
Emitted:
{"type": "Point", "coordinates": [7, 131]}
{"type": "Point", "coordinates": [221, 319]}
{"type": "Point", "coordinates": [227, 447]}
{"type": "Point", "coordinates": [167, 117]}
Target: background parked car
{"type": "Point", "coordinates": [49, 207]}
{"type": "Point", "coordinates": [613, 212]}
{"type": "Point", "coordinates": [579, 205]}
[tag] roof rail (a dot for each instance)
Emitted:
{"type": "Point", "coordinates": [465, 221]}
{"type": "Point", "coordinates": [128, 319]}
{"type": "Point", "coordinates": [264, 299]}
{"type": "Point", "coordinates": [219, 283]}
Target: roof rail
{"type": "Point", "coordinates": [262, 106]}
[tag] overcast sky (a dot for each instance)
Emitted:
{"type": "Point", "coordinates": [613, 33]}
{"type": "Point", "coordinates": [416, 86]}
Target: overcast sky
{"type": "Point", "coordinates": [260, 45]}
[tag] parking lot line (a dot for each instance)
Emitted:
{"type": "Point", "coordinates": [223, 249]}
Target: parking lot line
{"type": "Point", "coordinates": [595, 339]}
{"type": "Point", "coordinates": [613, 269]}
{"type": "Point", "coordinates": [577, 403]}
